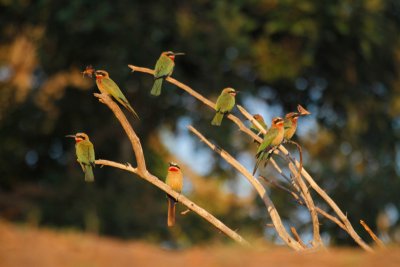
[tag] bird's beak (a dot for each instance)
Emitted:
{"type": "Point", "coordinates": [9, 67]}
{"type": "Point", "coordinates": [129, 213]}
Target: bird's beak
{"type": "Point", "coordinates": [70, 135]}
{"type": "Point", "coordinates": [179, 54]}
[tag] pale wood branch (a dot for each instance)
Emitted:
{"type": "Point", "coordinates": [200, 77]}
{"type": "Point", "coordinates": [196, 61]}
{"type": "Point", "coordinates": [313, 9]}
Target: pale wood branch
{"type": "Point", "coordinates": [317, 241]}
{"type": "Point", "coordinates": [133, 138]}
{"type": "Point", "coordinates": [331, 203]}
{"type": "Point", "coordinates": [143, 173]}
{"type": "Point", "coordinates": [318, 189]}
{"type": "Point", "coordinates": [246, 130]}
{"type": "Point", "coordinates": [284, 235]}
{"type": "Point", "coordinates": [372, 234]}
{"type": "Point", "coordinates": [300, 201]}
{"type": "Point", "coordinates": [296, 235]}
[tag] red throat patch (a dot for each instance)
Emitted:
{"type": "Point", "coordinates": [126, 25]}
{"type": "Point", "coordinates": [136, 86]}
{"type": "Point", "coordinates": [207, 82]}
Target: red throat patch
{"type": "Point", "coordinates": [172, 57]}
{"type": "Point", "coordinates": [173, 169]}
{"type": "Point", "coordinates": [77, 140]}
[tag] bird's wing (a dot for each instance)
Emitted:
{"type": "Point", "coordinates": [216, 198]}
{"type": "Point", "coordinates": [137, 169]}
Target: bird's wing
{"type": "Point", "coordinates": [113, 89]}
{"type": "Point", "coordinates": [269, 136]}
{"type": "Point", "coordinates": [287, 124]}
{"type": "Point", "coordinates": [164, 67]}
{"type": "Point", "coordinates": [225, 103]}
{"type": "Point", "coordinates": [92, 157]}
{"type": "Point", "coordinates": [82, 153]}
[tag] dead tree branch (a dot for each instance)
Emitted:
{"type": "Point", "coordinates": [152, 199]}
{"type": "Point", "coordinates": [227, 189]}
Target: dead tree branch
{"type": "Point", "coordinates": [282, 149]}
{"type": "Point", "coordinates": [259, 188]}
{"type": "Point", "coordinates": [143, 173]}
{"type": "Point", "coordinates": [372, 234]}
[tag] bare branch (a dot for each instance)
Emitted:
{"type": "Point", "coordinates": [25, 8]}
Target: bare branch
{"type": "Point", "coordinates": [318, 189]}
{"type": "Point", "coordinates": [179, 197]}
{"type": "Point", "coordinates": [259, 188]}
{"type": "Point", "coordinates": [331, 203]}
{"type": "Point", "coordinates": [296, 235]}
{"type": "Point", "coordinates": [301, 202]}
{"type": "Point", "coordinates": [143, 173]}
{"type": "Point", "coordinates": [317, 242]}
{"type": "Point", "coordinates": [136, 145]}
{"type": "Point", "coordinates": [372, 234]}
{"type": "Point", "coordinates": [243, 128]}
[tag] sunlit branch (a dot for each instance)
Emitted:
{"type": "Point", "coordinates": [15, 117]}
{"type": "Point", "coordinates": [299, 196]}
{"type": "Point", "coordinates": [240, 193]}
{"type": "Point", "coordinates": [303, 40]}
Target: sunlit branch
{"type": "Point", "coordinates": [372, 234]}
{"type": "Point", "coordinates": [143, 173]}
{"type": "Point", "coordinates": [246, 130]}
{"type": "Point", "coordinates": [259, 188]}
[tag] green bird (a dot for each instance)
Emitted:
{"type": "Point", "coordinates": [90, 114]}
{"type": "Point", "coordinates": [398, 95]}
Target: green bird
{"type": "Point", "coordinates": [261, 121]}
{"type": "Point", "coordinates": [164, 68]}
{"type": "Point", "coordinates": [85, 154]}
{"type": "Point", "coordinates": [290, 125]}
{"type": "Point", "coordinates": [225, 103]}
{"type": "Point", "coordinates": [108, 86]}
{"type": "Point", "coordinates": [272, 138]}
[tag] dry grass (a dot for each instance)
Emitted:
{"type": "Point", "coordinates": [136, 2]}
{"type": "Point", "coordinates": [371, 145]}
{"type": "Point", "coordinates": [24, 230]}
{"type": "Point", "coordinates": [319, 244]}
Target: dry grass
{"type": "Point", "coordinates": [25, 246]}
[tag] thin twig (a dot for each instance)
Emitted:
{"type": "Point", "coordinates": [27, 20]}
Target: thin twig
{"type": "Point", "coordinates": [349, 228]}
{"type": "Point", "coordinates": [372, 234]}
{"type": "Point", "coordinates": [246, 130]}
{"type": "Point", "coordinates": [332, 204]}
{"type": "Point", "coordinates": [296, 235]}
{"type": "Point", "coordinates": [317, 241]}
{"type": "Point", "coordinates": [143, 173]}
{"type": "Point", "coordinates": [301, 202]}
{"type": "Point", "coordinates": [259, 188]}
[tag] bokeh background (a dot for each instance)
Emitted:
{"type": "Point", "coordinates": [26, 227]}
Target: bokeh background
{"type": "Point", "coordinates": [339, 59]}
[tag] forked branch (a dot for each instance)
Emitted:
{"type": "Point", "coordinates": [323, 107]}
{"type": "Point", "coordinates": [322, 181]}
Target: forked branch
{"type": "Point", "coordinates": [143, 173]}
{"type": "Point", "coordinates": [282, 149]}
{"type": "Point", "coordinates": [284, 235]}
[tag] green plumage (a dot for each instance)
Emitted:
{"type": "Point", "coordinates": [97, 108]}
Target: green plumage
{"type": "Point", "coordinates": [261, 121]}
{"type": "Point", "coordinates": [163, 69]}
{"type": "Point", "coordinates": [273, 137]}
{"type": "Point", "coordinates": [225, 103]}
{"type": "Point", "coordinates": [107, 85]}
{"type": "Point", "coordinates": [85, 154]}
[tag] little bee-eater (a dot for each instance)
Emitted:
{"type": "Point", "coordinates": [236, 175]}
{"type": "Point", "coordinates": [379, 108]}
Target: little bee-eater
{"type": "Point", "coordinates": [175, 180]}
{"type": "Point", "coordinates": [85, 154]}
{"type": "Point", "coordinates": [164, 68]}
{"type": "Point", "coordinates": [261, 121]}
{"type": "Point", "coordinates": [290, 125]}
{"type": "Point", "coordinates": [225, 103]}
{"type": "Point", "coordinates": [108, 86]}
{"type": "Point", "coordinates": [272, 138]}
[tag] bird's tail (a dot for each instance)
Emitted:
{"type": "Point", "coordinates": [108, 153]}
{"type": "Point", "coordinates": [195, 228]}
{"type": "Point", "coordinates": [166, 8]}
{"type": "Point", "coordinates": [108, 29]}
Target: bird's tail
{"type": "Point", "coordinates": [89, 176]}
{"type": "Point", "coordinates": [259, 159]}
{"type": "Point", "coordinates": [129, 107]}
{"type": "Point", "coordinates": [217, 119]}
{"type": "Point", "coordinates": [171, 211]}
{"type": "Point", "coordinates": [156, 90]}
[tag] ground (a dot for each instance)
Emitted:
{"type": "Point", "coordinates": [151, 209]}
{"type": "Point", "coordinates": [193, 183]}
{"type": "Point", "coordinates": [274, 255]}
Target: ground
{"type": "Point", "coordinates": [27, 246]}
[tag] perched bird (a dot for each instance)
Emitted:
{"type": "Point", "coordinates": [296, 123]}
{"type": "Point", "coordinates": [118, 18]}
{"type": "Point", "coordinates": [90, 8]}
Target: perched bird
{"type": "Point", "coordinates": [225, 103]}
{"type": "Point", "coordinates": [85, 154]}
{"type": "Point", "coordinates": [175, 180]}
{"type": "Point", "coordinates": [164, 68]}
{"type": "Point", "coordinates": [290, 125]}
{"type": "Point", "coordinates": [261, 121]}
{"type": "Point", "coordinates": [272, 138]}
{"type": "Point", "coordinates": [108, 86]}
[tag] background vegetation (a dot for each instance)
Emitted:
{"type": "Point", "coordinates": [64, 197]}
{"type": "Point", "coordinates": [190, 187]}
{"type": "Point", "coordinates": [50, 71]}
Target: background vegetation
{"type": "Point", "coordinates": [340, 59]}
